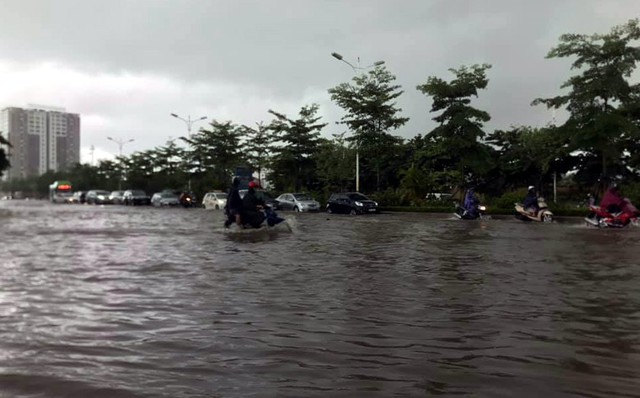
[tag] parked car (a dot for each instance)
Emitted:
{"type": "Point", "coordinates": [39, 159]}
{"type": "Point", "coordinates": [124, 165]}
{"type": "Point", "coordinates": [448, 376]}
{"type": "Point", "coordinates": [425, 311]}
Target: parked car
{"type": "Point", "coordinates": [79, 197]}
{"type": "Point", "coordinates": [165, 198]}
{"type": "Point", "coordinates": [214, 200]}
{"type": "Point", "coordinates": [98, 197]}
{"type": "Point", "coordinates": [133, 197]}
{"type": "Point", "coordinates": [297, 202]}
{"type": "Point", "coordinates": [117, 197]}
{"type": "Point", "coordinates": [268, 199]}
{"type": "Point", "coordinates": [351, 203]}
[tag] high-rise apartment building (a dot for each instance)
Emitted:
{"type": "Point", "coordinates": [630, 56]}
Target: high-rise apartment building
{"type": "Point", "coordinates": [42, 138]}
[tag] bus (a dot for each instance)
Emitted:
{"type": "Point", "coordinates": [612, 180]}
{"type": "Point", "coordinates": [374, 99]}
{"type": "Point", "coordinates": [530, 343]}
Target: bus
{"type": "Point", "coordinates": [60, 192]}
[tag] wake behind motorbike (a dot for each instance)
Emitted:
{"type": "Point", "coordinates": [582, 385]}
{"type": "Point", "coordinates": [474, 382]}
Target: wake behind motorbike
{"type": "Point", "coordinates": [602, 218]}
{"type": "Point", "coordinates": [464, 214]}
{"type": "Point", "coordinates": [543, 215]}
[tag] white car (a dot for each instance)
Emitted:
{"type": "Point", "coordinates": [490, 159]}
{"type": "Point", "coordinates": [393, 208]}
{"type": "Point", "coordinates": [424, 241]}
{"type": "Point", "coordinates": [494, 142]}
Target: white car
{"type": "Point", "coordinates": [214, 200]}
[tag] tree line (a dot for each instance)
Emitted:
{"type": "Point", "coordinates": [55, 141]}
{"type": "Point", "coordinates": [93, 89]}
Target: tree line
{"type": "Point", "coordinates": [600, 138]}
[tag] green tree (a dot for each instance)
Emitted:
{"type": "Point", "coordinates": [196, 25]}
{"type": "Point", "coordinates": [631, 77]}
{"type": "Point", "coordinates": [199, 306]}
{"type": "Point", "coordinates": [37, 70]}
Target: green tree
{"type": "Point", "coordinates": [603, 105]}
{"type": "Point", "coordinates": [371, 112]}
{"type": "Point", "coordinates": [294, 163]}
{"type": "Point", "coordinates": [335, 164]}
{"type": "Point", "coordinates": [529, 156]}
{"type": "Point", "coordinates": [258, 146]}
{"type": "Point", "coordinates": [456, 141]}
{"type": "Point", "coordinates": [4, 161]}
{"type": "Point", "coordinates": [217, 151]}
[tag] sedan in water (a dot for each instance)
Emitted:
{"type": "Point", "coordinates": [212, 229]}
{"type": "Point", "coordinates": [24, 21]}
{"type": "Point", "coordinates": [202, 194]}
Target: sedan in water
{"type": "Point", "coordinates": [165, 198]}
{"type": "Point", "coordinates": [98, 197]}
{"type": "Point", "coordinates": [214, 200]}
{"type": "Point", "coordinates": [297, 202]}
{"type": "Point", "coordinates": [133, 197]}
{"type": "Point", "coordinates": [351, 203]}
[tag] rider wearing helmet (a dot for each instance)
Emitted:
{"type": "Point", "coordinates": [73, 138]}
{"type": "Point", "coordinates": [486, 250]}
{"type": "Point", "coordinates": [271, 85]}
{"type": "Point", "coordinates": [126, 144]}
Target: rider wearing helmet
{"type": "Point", "coordinates": [530, 202]}
{"type": "Point", "coordinates": [251, 206]}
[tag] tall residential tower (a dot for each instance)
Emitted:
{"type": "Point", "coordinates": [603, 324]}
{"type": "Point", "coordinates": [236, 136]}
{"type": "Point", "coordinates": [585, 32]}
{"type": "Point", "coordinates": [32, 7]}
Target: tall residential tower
{"type": "Point", "coordinates": [42, 138]}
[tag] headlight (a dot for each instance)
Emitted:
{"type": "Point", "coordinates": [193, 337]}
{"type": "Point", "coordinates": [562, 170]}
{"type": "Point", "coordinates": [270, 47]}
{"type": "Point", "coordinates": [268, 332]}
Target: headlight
{"type": "Point", "coordinates": [358, 203]}
{"type": "Point", "coordinates": [375, 203]}
{"type": "Point", "coordinates": [101, 197]}
{"type": "Point", "coordinates": [482, 208]}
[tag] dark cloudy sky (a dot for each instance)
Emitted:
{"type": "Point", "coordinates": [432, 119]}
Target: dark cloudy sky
{"type": "Point", "coordinates": [125, 65]}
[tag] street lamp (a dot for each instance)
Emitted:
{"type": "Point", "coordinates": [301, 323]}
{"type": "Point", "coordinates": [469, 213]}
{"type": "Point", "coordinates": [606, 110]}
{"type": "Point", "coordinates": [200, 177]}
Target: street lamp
{"type": "Point", "coordinates": [189, 122]}
{"type": "Point", "coordinates": [356, 68]}
{"type": "Point", "coordinates": [120, 143]}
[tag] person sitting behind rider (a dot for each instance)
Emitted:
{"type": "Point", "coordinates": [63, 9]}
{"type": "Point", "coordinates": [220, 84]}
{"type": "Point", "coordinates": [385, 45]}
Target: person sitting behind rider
{"type": "Point", "coordinates": [471, 202]}
{"type": "Point", "coordinates": [234, 204]}
{"type": "Point", "coordinates": [613, 202]}
{"type": "Point", "coordinates": [530, 202]}
{"type": "Point", "coordinates": [252, 205]}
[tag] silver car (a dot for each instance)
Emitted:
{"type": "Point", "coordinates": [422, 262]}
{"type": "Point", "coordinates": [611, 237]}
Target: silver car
{"type": "Point", "coordinates": [161, 199]}
{"type": "Point", "coordinates": [297, 202]}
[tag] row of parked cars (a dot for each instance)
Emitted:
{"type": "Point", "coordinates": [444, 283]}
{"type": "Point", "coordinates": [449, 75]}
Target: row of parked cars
{"type": "Point", "coordinates": [130, 197]}
{"type": "Point", "coordinates": [346, 203]}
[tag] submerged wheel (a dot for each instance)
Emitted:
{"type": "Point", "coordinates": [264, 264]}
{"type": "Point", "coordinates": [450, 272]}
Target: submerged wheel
{"type": "Point", "coordinates": [297, 209]}
{"type": "Point", "coordinates": [547, 217]}
{"type": "Point", "coordinates": [329, 210]}
{"type": "Point", "coordinates": [353, 212]}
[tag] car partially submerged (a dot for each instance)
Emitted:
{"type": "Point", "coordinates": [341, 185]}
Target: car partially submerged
{"type": "Point", "coordinates": [214, 200]}
{"type": "Point", "coordinates": [297, 202]}
{"type": "Point", "coordinates": [351, 203]}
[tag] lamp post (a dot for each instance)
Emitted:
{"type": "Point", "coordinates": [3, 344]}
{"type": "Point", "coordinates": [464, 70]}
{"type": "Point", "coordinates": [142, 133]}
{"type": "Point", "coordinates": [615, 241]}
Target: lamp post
{"type": "Point", "coordinates": [120, 143]}
{"type": "Point", "coordinates": [189, 122]}
{"type": "Point", "coordinates": [356, 68]}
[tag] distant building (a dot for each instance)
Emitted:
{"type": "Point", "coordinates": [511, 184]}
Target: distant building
{"type": "Point", "coordinates": [42, 138]}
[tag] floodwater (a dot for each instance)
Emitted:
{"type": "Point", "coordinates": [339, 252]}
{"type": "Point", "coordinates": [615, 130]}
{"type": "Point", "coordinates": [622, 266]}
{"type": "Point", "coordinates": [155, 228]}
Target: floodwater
{"type": "Point", "coordinates": [111, 301]}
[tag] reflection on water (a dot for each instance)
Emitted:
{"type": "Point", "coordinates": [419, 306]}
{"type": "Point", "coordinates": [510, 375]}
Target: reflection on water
{"type": "Point", "coordinates": [143, 302]}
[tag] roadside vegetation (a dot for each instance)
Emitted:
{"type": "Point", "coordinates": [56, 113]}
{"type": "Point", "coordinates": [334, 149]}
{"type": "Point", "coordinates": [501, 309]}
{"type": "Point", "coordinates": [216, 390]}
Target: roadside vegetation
{"type": "Point", "coordinates": [600, 139]}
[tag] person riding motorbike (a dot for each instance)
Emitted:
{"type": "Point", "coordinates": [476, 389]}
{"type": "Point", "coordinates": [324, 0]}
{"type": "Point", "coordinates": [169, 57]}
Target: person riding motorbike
{"type": "Point", "coordinates": [471, 203]}
{"type": "Point", "coordinates": [252, 205]}
{"type": "Point", "coordinates": [613, 202]}
{"type": "Point", "coordinates": [234, 205]}
{"type": "Point", "coordinates": [530, 202]}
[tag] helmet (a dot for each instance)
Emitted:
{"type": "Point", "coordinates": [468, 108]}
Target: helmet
{"type": "Point", "coordinates": [531, 188]}
{"type": "Point", "coordinates": [253, 184]}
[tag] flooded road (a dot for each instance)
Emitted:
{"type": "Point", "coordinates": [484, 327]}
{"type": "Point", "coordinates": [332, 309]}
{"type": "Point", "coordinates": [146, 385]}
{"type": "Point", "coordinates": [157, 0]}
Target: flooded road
{"type": "Point", "coordinates": [142, 302]}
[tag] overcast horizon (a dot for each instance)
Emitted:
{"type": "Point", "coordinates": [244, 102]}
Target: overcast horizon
{"type": "Point", "coordinates": [126, 65]}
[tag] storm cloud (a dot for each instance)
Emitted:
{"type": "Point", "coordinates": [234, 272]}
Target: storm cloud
{"type": "Point", "coordinates": [125, 65]}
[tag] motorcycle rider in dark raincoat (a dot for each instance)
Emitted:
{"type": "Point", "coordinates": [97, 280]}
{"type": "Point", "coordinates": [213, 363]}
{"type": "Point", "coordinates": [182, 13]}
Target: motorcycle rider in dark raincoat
{"type": "Point", "coordinates": [530, 202]}
{"type": "Point", "coordinates": [471, 203]}
{"type": "Point", "coordinates": [251, 207]}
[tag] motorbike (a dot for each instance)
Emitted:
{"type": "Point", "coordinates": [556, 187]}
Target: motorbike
{"type": "Point", "coordinates": [602, 218]}
{"type": "Point", "coordinates": [463, 214]}
{"type": "Point", "coordinates": [268, 217]}
{"type": "Point", "coordinates": [543, 215]}
{"type": "Point", "coordinates": [187, 200]}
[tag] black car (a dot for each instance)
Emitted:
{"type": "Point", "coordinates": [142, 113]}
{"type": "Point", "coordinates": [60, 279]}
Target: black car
{"type": "Point", "coordinates": [132, 197]}
{"type": "Point", "coordinates": [351, 203]}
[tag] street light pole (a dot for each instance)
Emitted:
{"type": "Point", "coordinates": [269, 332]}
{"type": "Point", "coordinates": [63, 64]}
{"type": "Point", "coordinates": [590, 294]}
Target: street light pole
{"type": "Point", "coordinates": [120, 143]}
{"type": "Point", "coordinates": [189, 122]}
{"type": "Point", "coordinates": [356, 69]}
